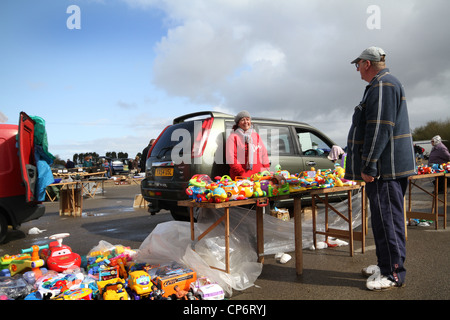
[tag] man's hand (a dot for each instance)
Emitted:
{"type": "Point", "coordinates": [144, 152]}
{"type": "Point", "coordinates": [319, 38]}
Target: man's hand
{"type": "Point", "coordinates": [367, 178]}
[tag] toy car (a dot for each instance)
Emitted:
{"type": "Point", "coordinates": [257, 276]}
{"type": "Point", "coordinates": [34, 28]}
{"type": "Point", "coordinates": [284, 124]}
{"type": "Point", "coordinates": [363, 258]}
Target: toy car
{"type": "Point", "coordinates": [207, 290]}
{"type": "Point", "coordinates": [60, 257]}
{"type": "Point", "coordinates": [139, 285]}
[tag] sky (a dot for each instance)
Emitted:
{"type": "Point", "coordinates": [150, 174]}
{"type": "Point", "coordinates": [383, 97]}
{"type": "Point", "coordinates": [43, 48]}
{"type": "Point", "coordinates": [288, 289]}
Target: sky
{"type": "Point", "coordinates": [109, 75]}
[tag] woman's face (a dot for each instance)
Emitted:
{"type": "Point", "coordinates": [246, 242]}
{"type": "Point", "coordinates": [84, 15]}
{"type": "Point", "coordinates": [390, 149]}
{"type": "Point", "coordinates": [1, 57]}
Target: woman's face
{"type": "Point", "coordinates": [245, 123]}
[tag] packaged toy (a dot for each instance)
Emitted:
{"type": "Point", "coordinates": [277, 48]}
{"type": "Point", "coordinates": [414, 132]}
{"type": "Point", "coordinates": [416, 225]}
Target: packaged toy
{"type": "Point", "coordinates": [168, 276]}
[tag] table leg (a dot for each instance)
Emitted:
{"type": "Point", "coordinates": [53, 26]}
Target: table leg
{"type": "Point", "coordinates": [445, 202]}
{"type": "Point", "coordinates": [350, 221]}
{"type": "Point", "coordinates": [436, 202]}
{"type": "Point", "coordinates": [191, 217]}
{"type": "Point", "coordinates": [260, 234]}
{"type": "Point", "coordinates": [227, 239]}
{"type": "Point", "coordinates": [298, 235]}
{"type": "Point", "coordinates": [363, 219]}
{"type": "Point", "coordinates": [313, 209]}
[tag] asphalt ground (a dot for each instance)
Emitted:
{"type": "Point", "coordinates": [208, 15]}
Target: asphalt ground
{"type": "Point", "coordinates": [328, 274]}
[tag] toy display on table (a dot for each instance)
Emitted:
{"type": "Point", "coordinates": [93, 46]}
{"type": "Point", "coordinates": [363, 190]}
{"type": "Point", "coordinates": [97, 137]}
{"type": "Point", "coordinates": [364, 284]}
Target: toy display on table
{"type": "Point", "coordinates": [58, 256]}
{"type": "Point", "coordinates": [434, 168]}
{"type": "Point", "coordinates": [264, 184]}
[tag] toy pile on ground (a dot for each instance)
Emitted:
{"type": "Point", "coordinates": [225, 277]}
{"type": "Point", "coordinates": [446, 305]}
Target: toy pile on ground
{"type": "Point", "coordinates": [202, 188]}
{"type": "Point", "coordinates": [107, 272]}
{"type": "Point", "coordinates": [434, 168]}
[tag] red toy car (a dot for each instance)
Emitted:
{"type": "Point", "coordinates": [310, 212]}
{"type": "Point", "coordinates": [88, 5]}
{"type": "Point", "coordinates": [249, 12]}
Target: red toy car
{"type": "Point", "coordinates": [58, 256]}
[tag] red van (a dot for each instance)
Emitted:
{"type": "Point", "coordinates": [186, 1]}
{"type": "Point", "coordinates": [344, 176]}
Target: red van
{"type": "Point", "coordinates": [18, 175]}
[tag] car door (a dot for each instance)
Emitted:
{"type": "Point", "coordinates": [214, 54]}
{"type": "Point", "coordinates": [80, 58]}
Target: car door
{"type": "Point", "coordinates": [314, 148]}
{"type": "Point", "coordinates": [26, 155]}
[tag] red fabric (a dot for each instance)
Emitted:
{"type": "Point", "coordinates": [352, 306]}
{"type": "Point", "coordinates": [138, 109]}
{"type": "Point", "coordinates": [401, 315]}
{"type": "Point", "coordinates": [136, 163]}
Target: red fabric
{"type": "Point", "coordinates": [237, 156]}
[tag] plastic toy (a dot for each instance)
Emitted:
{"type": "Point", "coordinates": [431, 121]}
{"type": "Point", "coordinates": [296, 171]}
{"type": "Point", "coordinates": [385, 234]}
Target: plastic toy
{"type": "Point", "coordinates": [157, 294]}
{"type": "Point", "coordinates": [257, 191]}
{"type": "Point", "coordinates": [217, 194]}
{"type": "Point", "coordinates": [53, 283]}
{"type": "Point", "coordinates": [23, 264]}
{"type": "Point", "coordinates": [171, 275]}
{"type": "Point", "coordinates": [207, 290]}
{"type": "Point", "coordinates": [232, 191]}
{"type": "Point", "coordinates": [6, 260]}
{"type": "Point", "coordinates": [245, 187]}
{"type": "Point", "coordinates": [139, 285]}
{"type": "Point", "coordinates": [110, 286]}
{"type": "Point", "coordinates": [77, 294]}
{"type": "Point", "coordinates": [181, 294]}
{"type": "Point", "coordinates": [60, 257]}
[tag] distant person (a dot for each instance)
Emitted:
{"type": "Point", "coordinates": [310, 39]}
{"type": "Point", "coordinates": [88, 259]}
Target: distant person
{"type": "Point", "coordinates": [438, 155]}
{"type": "Point", "coordinates": [107, 167]}
{"type": "Point", "coordinates": [87, 162]}
{"type": "Point", "coordinates": [70, 164]}
{"type": "Point", "coordinates": [418, 150]}
{"type": "Point", "coordinates": [135, 165]}
{"type": "Point", "coordinates": [380, 152]}
{"type": "Point", "coordinates": [144, 154]}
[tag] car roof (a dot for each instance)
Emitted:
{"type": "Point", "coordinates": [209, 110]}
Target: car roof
{"type": "Point", "coordinates": [215, 114]}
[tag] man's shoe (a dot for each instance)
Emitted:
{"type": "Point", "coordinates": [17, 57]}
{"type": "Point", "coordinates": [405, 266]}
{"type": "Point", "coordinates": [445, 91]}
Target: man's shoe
{"type": "Point", "coordinates": [378, 282]}
{"type": "Point", "coordinates": [370, 270]}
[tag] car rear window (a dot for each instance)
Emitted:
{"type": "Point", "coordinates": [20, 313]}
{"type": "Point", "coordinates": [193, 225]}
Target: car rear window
{"type": "Point", "coordinates": [164, 146]}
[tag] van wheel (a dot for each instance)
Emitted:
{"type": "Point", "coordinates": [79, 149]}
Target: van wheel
{"type": "Point", "coordinates": [180, 213]}
{"type": "Point", "coordinates": [3, 228]}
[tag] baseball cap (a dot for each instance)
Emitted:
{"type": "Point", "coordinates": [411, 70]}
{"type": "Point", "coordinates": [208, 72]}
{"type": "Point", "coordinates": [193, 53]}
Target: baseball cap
{"type": "Point", "coordinates": [371, 53]}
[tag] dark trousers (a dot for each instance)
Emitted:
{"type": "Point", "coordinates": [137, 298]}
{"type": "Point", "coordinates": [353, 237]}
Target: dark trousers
{"type": "Point", "coordinates": [388, 225]}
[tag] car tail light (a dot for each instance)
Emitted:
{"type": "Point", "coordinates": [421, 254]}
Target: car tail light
{"type": "Point", "coordinates": [202, 138]}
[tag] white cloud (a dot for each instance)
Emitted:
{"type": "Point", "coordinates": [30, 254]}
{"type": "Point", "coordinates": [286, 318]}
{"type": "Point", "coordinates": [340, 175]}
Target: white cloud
{"type": "Point", "coordinates": [3, 118]}
{"type": "Point", "coordinates": [294, 56]}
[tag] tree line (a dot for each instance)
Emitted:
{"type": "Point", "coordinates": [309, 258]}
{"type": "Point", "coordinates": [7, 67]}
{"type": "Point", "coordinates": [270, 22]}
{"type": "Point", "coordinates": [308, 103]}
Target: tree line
{"type": "Point", "coordinates": [78, 158]}
{"type": "Point", "coordinates": [433, 128]}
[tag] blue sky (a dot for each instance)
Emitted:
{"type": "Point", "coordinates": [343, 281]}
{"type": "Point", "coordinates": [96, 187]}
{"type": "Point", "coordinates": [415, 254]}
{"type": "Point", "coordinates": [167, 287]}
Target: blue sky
{"type": "Point", "coordinates": [136, 64]}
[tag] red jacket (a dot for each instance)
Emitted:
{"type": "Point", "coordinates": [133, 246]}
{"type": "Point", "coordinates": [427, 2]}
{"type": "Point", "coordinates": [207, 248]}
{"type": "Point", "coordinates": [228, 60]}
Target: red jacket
{"type": "Point", "coordinates": [237, 155]}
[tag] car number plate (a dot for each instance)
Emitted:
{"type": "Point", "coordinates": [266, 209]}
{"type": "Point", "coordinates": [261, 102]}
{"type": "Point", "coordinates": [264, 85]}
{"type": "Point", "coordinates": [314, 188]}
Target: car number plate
{"type": "Point", "coordinates": [164, 172]}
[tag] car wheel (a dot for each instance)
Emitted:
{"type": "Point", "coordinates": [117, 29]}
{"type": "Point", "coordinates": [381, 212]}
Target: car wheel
{"type": "Point", "coordinates": [3, 227]}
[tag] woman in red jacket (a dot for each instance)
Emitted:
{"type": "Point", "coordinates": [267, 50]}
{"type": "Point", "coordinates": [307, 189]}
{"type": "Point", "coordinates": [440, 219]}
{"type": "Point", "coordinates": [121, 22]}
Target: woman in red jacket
{"type": "Point", "coordinates": [246, 154]}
